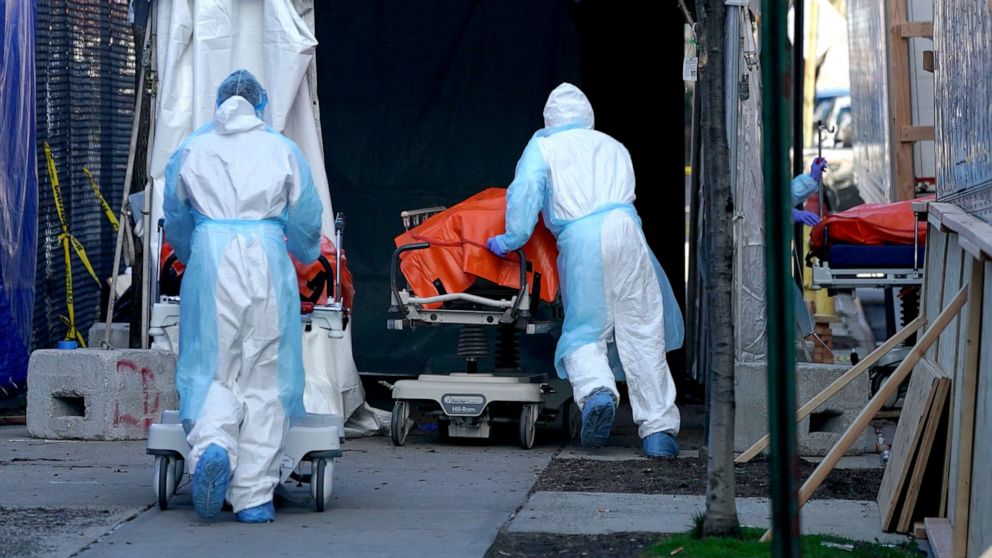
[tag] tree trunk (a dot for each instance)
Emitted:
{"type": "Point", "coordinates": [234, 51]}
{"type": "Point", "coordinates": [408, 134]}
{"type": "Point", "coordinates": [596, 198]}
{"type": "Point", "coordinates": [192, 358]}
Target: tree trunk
{"type": "Point", "coordinates": [718, 211]}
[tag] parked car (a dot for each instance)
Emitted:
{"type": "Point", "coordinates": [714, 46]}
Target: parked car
{"type": "Point", "coordinates": [833, 109]}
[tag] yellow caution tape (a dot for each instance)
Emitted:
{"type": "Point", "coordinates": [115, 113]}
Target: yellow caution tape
{"type": "Point", "coordinates": [103, 203]}
{"type": "Point", "coordinates": [66, 239]}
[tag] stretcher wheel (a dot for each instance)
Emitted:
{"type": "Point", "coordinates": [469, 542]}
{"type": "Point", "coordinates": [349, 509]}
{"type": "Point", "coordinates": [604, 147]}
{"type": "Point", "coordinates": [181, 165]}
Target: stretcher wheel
{"type": "Point", "coordinates": [528, 425]}
{"type": "Point", "coordinates": [165, 479]}
{"type": "Point", "coordinates": [321, 482]}
{"type": "Point", "coordinates": [398, 428]}
{"type": "Point", "coordinates": [879, 381]}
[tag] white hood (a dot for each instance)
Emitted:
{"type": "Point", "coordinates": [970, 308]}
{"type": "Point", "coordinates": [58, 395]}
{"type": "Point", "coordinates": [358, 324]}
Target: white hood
{"type": "Point", "coordinates": [236, 115]}
{"type": "Point", "coordinates": [567, 104]}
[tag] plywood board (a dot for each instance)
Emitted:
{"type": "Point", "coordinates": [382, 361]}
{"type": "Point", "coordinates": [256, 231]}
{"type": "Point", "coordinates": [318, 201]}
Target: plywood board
{"type": "Point", "coordinates": [947, 345]}
{"type": "Point", "coordinates": [945, 485]}
{"type": "Point", "coordinates": [966, 384]}
{"type": "Point", "coordinates": [922, 462]}
{"type": "Point", "coordinates": [919, 399]}
{"type": "Point", "coordinates": [939, 536]}
{"type": "Point", "coordinates": [980, 522]}
{"type": "Point", "coordinates": [933, 285]}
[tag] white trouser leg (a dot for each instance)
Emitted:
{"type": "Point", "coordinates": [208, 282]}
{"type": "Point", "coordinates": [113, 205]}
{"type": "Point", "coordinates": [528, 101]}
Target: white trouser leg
{"type": "Point", "coordinates": [588, 370]}
{"type": "Point", "coordinates": [220, 419]}
{"type": "Point", "coordinates": [265, 424]}
{"type": "Point", "coordinates": [218, 423]}
{"type": "Point", "coordinates": [639, 326]}
{"type": "Point", "coordinates": [262, 433]}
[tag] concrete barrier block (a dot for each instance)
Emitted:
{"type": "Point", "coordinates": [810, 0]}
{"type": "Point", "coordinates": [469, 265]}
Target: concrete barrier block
{"type": "Point", "coordinates": [817, 433]}
{"type": "Point", "coordinates": [120, 335]}
{"type": "Point", "coordinates": [93, 394]}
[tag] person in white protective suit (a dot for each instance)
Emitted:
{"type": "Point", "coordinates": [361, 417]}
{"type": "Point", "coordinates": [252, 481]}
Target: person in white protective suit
{"type": "Point", "coordinates": [614, 290]}
{"type": "Point", "coordinates": [237, 195]}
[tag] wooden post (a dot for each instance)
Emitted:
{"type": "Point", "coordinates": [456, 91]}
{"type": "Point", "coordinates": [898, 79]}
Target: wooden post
{"type": "Point", "coordinates": [967, 387]}
{"type": "Point", "coordinates": [868, 413]}
{"type": "Point", "coordinates": [900, 111]}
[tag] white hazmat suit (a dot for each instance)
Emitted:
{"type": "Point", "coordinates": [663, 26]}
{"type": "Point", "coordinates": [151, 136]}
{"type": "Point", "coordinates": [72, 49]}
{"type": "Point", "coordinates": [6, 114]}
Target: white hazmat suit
{"type": "Point", "coordinates": [614, 290]}
{"type": "Point", "coordinates": [238, 194]}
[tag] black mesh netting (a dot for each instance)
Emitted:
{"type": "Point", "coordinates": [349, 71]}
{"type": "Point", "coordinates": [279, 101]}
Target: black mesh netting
{"type": "Point", "coordinates": [86, 75]}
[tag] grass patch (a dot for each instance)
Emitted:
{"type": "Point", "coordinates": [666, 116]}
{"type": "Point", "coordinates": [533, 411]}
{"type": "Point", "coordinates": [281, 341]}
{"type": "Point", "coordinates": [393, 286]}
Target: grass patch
{"type": "Point", "coordinates": [813, 546]}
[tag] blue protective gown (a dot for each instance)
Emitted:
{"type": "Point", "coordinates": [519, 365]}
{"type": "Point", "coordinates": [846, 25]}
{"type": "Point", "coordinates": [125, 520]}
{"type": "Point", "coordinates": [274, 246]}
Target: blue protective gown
{"type": "Point", "coordinates": [237, 196]}
{"type": "Point", "coordinates": [614, 290]}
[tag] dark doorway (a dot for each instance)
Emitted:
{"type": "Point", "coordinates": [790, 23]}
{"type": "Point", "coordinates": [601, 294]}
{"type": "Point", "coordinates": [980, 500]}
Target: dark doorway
{"type": "Point", "coordinates": [425, 104]}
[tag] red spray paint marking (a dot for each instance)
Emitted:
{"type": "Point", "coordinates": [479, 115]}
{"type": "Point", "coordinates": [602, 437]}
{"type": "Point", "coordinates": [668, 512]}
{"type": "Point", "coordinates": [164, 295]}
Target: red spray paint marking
{"type": "Point", "coordinates": [150, 397]}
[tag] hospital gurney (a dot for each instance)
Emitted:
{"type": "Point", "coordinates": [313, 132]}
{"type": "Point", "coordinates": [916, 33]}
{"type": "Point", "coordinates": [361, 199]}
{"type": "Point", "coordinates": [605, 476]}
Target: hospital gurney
{"type": "Point", "coordinates": [868, 254]}
{"type": "Point", "coordinates": [312, 442]}
{"type": "Point", "coordinates": [468, 403]}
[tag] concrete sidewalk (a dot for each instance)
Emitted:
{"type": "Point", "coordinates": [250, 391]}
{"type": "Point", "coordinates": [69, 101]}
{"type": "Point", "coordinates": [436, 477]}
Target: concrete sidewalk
{"type": "Point", "coordinates": [58, 496]}
{"type": "Point", "coordinates": [424, 499]}
{"type": "Point", "coordinates": [63, 498]}
{"type": "Point", "coordinates": [591, 513]}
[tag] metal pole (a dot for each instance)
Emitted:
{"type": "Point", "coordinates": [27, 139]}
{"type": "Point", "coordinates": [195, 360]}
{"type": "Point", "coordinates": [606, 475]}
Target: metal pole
{"type": "Point", "coordinates": [338, 249]}
{"type": "Point", "coordinates": [147, 274]}
{"type": "Point", "coordinates": [798, 66]}
{"type": "Point", "coordinates": [693, 307]}
{"type": "Point", "coordinates": [798, 132]}
{"type": "Point", "coordinates": [781, 373]}
{"type": "Point", "coordinates": [125, 229]}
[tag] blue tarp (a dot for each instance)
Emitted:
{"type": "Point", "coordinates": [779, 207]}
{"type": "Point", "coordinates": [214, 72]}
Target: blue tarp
{"type": "Point", "coordinates": [18, 191]}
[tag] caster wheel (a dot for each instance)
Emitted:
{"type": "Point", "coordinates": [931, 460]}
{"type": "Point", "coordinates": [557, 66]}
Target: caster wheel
{"type": "Point", "coordinates": [528, 425]}
{"type": "Point", "coordinates": [879, 381]}
{"type": "Point", "coordinates": [321, 482]}
{"type": "Point", "coordinates": [398, 427]}
{"type": "Point", "coordinates": [165, 480]}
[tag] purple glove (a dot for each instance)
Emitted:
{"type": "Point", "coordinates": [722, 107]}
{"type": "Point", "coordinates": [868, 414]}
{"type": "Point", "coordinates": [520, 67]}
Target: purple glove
{"type": "Point", "coordinates": [493, 247]}
{"type": "Point", "coordinates": [816, 170]}
{"type": "Point", "coordinates": [805, 217]}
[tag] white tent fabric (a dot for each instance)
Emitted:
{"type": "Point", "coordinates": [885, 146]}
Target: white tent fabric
{"type": "Point", "coordinates": [198, 43]}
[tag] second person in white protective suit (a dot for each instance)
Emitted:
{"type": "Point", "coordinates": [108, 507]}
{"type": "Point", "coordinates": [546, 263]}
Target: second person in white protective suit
{"type": "Point", "coordinates": [237, 195]}
{"type": "Point", "coordinates": [613, 288]}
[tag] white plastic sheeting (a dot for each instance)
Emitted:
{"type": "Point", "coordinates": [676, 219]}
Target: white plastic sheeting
{"type": "Point", "coordinates": [200, 42]}
{"type": "Point", "coordinates": [749, 225]}
{"type": "Point", "coordinates": [870, 99]}
{"type": "Point", "coordinates": [963, 83]}
{"type": "Point", "coordinates": [339, 393]}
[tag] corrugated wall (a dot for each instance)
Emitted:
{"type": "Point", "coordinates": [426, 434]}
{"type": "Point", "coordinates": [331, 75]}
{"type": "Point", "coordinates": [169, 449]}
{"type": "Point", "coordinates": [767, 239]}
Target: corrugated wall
{"type": "Point", "coordinates": [963, 83]}
{"type": "Point", "coordinates": [963, 121]}
{"type": "Point", "coordinates": [870, 99]}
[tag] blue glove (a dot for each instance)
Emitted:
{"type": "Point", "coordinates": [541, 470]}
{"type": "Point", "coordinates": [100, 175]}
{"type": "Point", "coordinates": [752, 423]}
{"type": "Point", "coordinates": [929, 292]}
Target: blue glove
{"type": "Point", "coordinates": [816, 170]}
{"type": "Point", "coordinates": [805, 217]}
{"type": "Point", "coordinates": [494, 247]}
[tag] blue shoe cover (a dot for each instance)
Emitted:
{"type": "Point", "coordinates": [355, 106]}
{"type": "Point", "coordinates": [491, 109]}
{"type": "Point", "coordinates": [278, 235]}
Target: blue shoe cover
{"type": "Point", "coordinates": [660, 444]}
{"type": "Point", "coordinates": [210, 480]}
{"type": "Point", "coordinates": [264, 513]}
{"type": "Point", "coordinates": [598, 411]}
